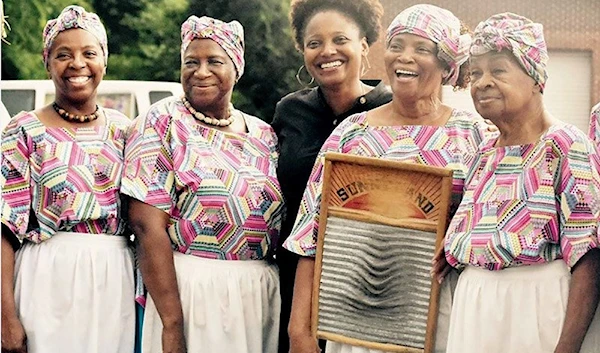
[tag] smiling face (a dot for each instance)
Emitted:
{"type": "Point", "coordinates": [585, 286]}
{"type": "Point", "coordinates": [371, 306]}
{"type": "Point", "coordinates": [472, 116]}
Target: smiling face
{"type": "Point", "coordinates": [500, 88]}
{"type": "Point", "coordinates": [413, 68]}
{"type": "Point", "coordinates": [76, 66]}
{"type": "Point", "coordinates": [207, 75]}
{"type": "Point", "coordinates": [333, 48]}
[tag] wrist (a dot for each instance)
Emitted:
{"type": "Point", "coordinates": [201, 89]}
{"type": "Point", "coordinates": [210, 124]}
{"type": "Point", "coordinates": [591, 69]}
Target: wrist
{"type": "Point", "coordinates": [566, 347]}
{"type": "Point", "coordinates": [172, 322]}
{"type": "Point", "coordinates": [9, 320]}
{"type": "Point", "coordinates": [297, 332]}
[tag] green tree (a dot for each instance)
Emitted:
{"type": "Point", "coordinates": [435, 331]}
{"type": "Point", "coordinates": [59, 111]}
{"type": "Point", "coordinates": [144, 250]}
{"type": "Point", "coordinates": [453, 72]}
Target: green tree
{"type": "Point", "coordinates": [271, 59]}
{"type": "Point", "coordinates": [147, 36]}
{"type": "Point", "coordinates": [22, 58]}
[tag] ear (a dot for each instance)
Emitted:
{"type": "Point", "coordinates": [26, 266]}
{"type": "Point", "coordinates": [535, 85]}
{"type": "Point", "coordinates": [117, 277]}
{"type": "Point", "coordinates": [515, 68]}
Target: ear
{"type": "Point", "coordinates": [537, 88]}
{"type": "Point", "coordinates": [364, 46]}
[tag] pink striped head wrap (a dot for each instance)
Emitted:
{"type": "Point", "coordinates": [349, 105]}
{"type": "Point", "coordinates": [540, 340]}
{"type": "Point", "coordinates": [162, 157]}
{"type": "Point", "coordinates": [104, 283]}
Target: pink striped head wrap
{"type": "Point", "coordinates": [230, 36]}
{"type": "Point", "coordinates": [521, 36]}
{"type": "Point", "coordinates": [74, 17]}
{"type": "Point", "coordinates": [441, 27]}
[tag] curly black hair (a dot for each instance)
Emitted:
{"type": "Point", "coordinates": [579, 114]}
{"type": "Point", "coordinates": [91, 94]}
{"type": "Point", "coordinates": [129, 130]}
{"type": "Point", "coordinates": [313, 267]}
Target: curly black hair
{"type": "Point", "coordinates": [366, 13]}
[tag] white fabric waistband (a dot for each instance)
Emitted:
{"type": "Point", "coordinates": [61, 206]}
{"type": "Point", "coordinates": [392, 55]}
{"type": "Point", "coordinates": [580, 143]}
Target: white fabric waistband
{"type": "Point", "coordinates": [88, 238]}
{"type": "Point", "coordinates": [191, 260]}
{"type": "Point", "coordinates": [549, 270]}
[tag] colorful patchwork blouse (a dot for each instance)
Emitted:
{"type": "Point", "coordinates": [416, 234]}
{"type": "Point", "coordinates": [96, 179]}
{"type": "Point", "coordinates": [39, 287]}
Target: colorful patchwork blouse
{"type": "Point", "coordinates": [447, 146]}
{"type": "Point", "coordinates": [528, 204]}
{"type": "Point", "coordinates": [220, 189]}
{"type": "Point", "coordinates": [62, 179]}
{"type": "Point", "coordinates": [595, 125]}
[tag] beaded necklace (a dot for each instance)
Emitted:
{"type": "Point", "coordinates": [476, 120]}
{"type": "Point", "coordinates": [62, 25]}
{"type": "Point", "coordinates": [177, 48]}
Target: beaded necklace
{"type": "Point", "coordinates": [207, 119]}
{"type": "Point", "coordinates": [72, 117]}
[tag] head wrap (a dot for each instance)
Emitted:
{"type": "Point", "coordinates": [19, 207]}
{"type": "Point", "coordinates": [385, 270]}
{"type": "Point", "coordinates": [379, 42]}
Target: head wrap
{"type": "Point", "coordinates": [519, 35]}
{"type": "Point", "coordinates": [230, 36]}
{"type": "Point", "coordinates": [441, 27]}
{"type": "Point", "coordinates": [74, 17]}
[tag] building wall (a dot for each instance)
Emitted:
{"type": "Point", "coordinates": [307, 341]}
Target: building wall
{"type": "Point", "coordinates": [568, 25]}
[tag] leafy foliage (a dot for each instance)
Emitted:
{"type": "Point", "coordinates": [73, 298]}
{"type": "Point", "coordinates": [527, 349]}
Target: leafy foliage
{"type": "Point", "coordinates": [144, 42]}
{"type": "Point", "coordinates": [151, 50]}
{"type": "Point", "coordinates": [22, 59]}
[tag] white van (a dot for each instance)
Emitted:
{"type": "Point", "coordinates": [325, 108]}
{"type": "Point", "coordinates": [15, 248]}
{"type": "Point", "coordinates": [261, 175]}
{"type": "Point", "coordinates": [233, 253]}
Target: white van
{"type": "Point", "coordinates": [128, 97]}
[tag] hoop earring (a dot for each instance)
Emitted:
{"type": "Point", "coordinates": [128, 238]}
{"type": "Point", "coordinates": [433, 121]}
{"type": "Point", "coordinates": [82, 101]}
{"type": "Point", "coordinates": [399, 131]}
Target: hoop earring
{"type": "Point", "coordinates": [312, 79]}
{"type": "Point", "coordinates": [365, 65]}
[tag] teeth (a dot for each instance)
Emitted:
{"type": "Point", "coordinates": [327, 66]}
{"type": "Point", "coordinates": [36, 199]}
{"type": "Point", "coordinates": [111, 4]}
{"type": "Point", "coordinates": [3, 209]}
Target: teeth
{"type": "Point", "coordinates": [403, 72]}
{"type": "Point", "coordinates": [78, 79]}
{"type": "Point", "coordinates": [331, 64]}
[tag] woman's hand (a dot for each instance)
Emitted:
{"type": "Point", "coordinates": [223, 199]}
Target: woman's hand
{"type": "Point", "coordinates": [173, 340]}
{"type": "Point", "coordinates": [304, 342]}
{"type": "Point", "coordinates": [14, 339]}
{"type": "Point", "coordinates": [584, 296]}
{"type": "Point", "coordinates": [440, 266]}
{"type": "Point", "coordinates": [299, 329]}
{"type": "Point", "coordinates": [149, 225]}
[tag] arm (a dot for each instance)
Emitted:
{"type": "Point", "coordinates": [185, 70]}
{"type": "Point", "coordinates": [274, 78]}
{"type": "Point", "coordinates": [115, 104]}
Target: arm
{"type": "Point", "coordinates": [299, 329]}
{"type": "Point", "coordinates": [13, 333]}
{"type": "Point", "coordinates": [149, 225]}
{"type": "Point", "coordinates": [580, 183]}
{"type": "Point", "coordinates": [584, 295]}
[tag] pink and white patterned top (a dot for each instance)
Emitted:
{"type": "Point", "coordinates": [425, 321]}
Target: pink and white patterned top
{"type": "Point", "coordinates": [595, 125]}
{"type": "Point", "coordinates": [220, 189]}
{"type": "Point", "coordinates": [528, 204]}
{"type": "Point", "coordinates": [449, 146]}
{"type": "Point", "coordinates": [62, 179]}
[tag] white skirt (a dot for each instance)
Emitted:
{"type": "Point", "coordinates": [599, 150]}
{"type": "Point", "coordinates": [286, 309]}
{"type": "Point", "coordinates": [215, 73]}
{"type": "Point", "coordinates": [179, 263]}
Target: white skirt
{"type": "Point", "coordinates": [441, 336]}
{"type": "Point", "coordinates": [74, 293]}
{"type": "Point", "coordinates": [519, 309]}
{"type": "Point", "coordinates": [228, 306]}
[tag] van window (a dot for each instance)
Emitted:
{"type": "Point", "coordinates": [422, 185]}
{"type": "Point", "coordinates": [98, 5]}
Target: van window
{"type": "Point", "coordinates": [16, 100]}
{"type": "Point", "coordinates": [155, 96]}
{"type": "Point", "coordinates": [123, 102]}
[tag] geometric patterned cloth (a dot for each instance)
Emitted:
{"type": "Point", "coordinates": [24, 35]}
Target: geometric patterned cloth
{"type": "Point", "coordinates": [528, 204]}
{"type": "Point", "coordinates": [220, 189]}
{"type": "Point", "coordinates": [595, 125]}
{"type": "Point", "coordinates": [62, 179]}
{"type": "Point", "coordinates": [450, 146]}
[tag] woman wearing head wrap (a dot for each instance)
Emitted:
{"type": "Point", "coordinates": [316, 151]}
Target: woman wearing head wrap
{"type": "Point", "coordinates": [595, 125]}
{"type": "Point", "coordinates": [526, 231]}
{"type": "Point", "coordinates": [334, 37]}
{"type": "Point", "coordinates": [424, 50]}
{"type": "Point", "coordinates": [61, 208]}
{"type": "Point", "coordinates": [206, 206]}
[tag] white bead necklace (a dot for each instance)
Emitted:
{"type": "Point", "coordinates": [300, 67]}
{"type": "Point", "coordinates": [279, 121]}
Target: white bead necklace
{"type": "Point", "coordinates": [207, 119]}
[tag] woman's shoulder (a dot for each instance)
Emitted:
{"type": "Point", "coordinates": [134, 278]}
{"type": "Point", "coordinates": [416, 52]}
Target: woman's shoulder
{"type": "Point", "coordinates": [20, 122]}
{"type": "Point", "coordinates": [302, 95]}
{"type": "Point", "coordinates": [256, 126]}
{"type": "Point", "coordinates": [566, 136]}
{"type": "Point", "coordinates": [352, 124]}
{"type": "Point", "coordinates": [464, 116]}
{"type": "Point", "coordinates": [162, 110]}
{"type": "Point", "coordinates": [467, 120]}
{"type": "Point", "coordinates": [304, 98]}
{"type": "Point", "coordinates": [115, 117]}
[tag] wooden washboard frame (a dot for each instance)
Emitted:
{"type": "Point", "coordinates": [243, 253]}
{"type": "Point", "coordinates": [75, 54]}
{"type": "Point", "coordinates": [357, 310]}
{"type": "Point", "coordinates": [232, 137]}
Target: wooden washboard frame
{"type": "Point", "coordinates": [403, 202]}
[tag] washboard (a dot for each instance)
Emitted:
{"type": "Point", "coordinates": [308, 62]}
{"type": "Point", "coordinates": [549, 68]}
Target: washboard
{"type": "Point", "coordinates": [380, 224]}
